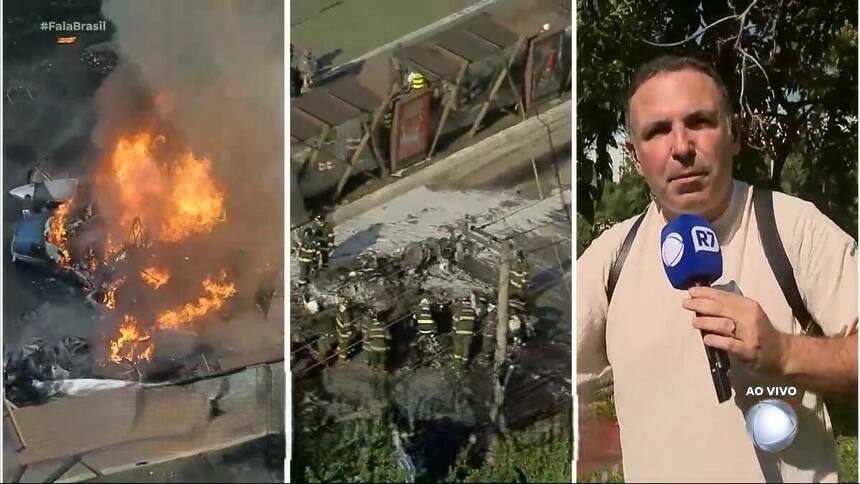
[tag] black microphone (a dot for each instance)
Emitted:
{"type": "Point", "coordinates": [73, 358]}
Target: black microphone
{"type": "Point", "coordinates": [691, 257]}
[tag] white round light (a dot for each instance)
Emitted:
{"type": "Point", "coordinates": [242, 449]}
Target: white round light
{"type": "Point", "coordinates": [772, 425]}
{"type": "Point", "coordinates": [672, 249]}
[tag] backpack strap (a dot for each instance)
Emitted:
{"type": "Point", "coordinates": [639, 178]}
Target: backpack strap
{"type": "Point", "coordinates": [774, 251]}
{"type": "Point", "coordinates": [618, 263]}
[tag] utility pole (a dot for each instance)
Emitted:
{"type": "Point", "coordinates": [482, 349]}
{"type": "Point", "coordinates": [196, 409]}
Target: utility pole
{"type": "Point", "coordinates": [496, 413]}
{"type": "Point", "coordinates": [503, 248]}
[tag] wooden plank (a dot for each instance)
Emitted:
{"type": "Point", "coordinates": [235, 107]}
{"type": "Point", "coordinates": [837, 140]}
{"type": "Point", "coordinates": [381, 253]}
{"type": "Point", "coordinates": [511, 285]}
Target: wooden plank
{"type": "Point", "coordinates": [446, 111]}
{"type": "Point", "coordinates": [349, 166]}
{"type": "Point", "coordinates": [496, 85]}
{"type": "Point", "coordinates": [368, 131]}
{"type": "Point", "coordinates": [529, 75]}
{"type": "Point", "coordinates": [9, 411]}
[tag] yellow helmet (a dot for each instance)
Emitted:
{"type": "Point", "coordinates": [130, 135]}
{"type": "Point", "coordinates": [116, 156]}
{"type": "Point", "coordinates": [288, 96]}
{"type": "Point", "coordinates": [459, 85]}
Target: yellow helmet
{"type": "Point", "coordinates": [416, 80]}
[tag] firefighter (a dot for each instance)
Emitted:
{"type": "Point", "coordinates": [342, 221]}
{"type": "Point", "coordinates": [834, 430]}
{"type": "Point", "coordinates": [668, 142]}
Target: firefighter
{"type": "Point", "coordinates": [464, 327]}
{"type": "Point", "coordinates": [426, 326]}
{"type": "Point", "coordinates": [488, 322]}
{"type": "Point", "coordinates": [415, 81]}
{"type": "Point", "coordinates": [345, 330]}
{"type": "Point", "coordinates": [375, 336]}
{"type": "Point", "coordinates": [325, 343]}
{"type": "Point", "coordinates": [307, 256]}
{"type": "Point", "coordinates": [324, 239]}
{"type": "Point", "coordinates": [424, 318]}
{"type": "Point", "coordinates": [519, 284]}
{"type": "Point", "coordinates": [307, 67]}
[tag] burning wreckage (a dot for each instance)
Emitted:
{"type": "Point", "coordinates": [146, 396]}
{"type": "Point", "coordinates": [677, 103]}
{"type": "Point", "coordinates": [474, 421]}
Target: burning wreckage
{"type": "Point", "coordinates": [124, 267]}
{"type": "Point", "coordinates": [418, 294]}
{"type": "Point", "coordinates": [391, 115]}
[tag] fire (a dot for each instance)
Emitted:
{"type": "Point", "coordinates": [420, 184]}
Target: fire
{"type": "Point", "coordinates": [197, 203]}
{"type": "Point", "coordinates": [91, 261]}
{"type": "Point", "coordinates": [139, 179]}
{"type": "Point", "coordinates": [109, 298]}
{"type": "Point", "coordinates": [157, 194]}
{"type": "Point", "coordinates": [133, 344]}
{"type": "Point", "coordinates": [217, 292]}
{"type": "Point", "coordinates": [182, 200]}
{"type": "Point", "coordinates": [67, 40]}
{"type": "Point", "coordinates": [155, 277]}
{"type": "Point", "coordinates": [57, 235]}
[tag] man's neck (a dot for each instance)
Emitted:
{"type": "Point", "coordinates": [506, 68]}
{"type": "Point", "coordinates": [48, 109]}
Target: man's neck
{"type": "Point", "coordinates": [711, 215]}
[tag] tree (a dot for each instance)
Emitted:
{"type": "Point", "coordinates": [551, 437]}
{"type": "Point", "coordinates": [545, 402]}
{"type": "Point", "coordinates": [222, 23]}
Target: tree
{"type": "Point", "coordinates": [791, 65]}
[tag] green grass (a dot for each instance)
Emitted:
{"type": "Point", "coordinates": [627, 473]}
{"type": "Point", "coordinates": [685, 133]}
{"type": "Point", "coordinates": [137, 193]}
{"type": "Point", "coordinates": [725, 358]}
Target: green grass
{"type": "Point", "coordinates": [847, 458]}
{"type": "Point", "coordinates": [609, 475]}
{"type": "Point", "coordinates": [361, 450]}
{"type": "Point", "coordinates": [523, 457]}
{"type": "Point", "coordinates": [358, 450]}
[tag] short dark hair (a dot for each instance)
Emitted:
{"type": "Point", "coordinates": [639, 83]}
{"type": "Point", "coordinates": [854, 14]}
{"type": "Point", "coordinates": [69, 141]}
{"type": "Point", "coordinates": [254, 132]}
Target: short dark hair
{"type": "Point", "coordinates": [672, 63]}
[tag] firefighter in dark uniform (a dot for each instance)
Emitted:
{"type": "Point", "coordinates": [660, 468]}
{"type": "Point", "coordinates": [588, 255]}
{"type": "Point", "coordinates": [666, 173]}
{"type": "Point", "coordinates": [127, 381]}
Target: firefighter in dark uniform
{"type": "Point", "coordinates": [424, 318]}
{"type": "Point", "coordinates": [464, 327]}
{"type": "Point", "coordinates": [426, 327]}
{"type": "Point", "coordinates": [324, 238]}
{"type": "Point", "coordinates": [488, 328]}
{"type": "Point", "coordinates": [376, 337]}
{"type": "Point", "coordinates": [307, 255]}
{"type": "Point", "coordinates": [345, 330]}
{"type": "Point", "coordinates": [519, 284]}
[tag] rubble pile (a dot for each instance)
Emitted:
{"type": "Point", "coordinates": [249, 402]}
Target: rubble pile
{"type": "Point", "coordinates": [392, 286]}
{"type": "Point", "coordinates": [26, 370]}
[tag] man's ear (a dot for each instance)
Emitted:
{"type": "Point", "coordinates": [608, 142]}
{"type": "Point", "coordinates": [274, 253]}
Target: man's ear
{"type": "Point", "coordinates": [631, 152]}
{"type": "Point", "coordinates": [736, 134]}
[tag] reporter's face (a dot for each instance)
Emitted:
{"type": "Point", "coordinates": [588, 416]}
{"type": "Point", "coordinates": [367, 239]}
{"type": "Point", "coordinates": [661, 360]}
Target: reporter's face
{"type": "Point", "coordinates": [682, 143]}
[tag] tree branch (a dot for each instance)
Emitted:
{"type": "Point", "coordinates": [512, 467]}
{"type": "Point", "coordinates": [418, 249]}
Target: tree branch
{"type": "Point", "coordinates": [742, 16]}
{"type": "Point", "coordinates": [696, 34]}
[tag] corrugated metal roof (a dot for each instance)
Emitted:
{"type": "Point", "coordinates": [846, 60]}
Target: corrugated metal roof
{"type": "Point", "coordinates": [352, 92]}
{"type": "Point", "coordinates": [490, 30]}
{"type": "Point", "coordinates": [465, 44]}
{"type": "Point", "coordinates": [326, 108]}
{"type": "Point", "coordinates": [430, 61]}
{"type": "Point", "coordinates": [302, 127]}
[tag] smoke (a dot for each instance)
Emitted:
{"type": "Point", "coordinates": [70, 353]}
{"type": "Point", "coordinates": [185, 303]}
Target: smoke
{"type": "Point", "coordinates": [210, 74]}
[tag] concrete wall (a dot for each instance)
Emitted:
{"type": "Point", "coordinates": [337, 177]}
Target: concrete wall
{"type": "Point", "coordinates": [534, 137]}
{"type": "Point", "coordinates": [115, 430]}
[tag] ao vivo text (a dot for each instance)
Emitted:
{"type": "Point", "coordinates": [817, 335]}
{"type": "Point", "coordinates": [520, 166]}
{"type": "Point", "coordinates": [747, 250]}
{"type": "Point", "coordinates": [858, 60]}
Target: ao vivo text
{"type": "Point", "coordinates": [771, 391]}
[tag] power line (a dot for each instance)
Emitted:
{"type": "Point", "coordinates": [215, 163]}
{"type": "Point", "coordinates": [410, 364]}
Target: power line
{"type": "Point", "coordinates": [532, 229]}
{"type": "Point", "coordinates": [511, 214]}
{"type": "Point", "coordinates": [347, 348]}
{"type": "Point", "coordinates": [307, 345]}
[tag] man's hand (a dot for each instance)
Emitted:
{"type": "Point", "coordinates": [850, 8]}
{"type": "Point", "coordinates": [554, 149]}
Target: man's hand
{"type": "Point", "coordinates": [739, 326]}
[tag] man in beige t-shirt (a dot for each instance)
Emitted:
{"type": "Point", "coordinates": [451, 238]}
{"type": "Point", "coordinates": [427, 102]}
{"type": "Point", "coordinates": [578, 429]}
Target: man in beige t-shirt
{"type": "Point", "coordinates": [683, 138]}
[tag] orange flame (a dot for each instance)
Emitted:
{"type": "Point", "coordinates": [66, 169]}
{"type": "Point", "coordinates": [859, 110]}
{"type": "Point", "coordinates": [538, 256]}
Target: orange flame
{"type": "Point", "coordinates": [155, 277]}
{"type": "Point", "coordinates": [67, 40]}
{"type": "Point", "coordinates": [57, 233]}
{"type": "Point", "coordinates": [197, 203]}
{"type": "Point", "coordinates": [133, 344]}
{"type": "Point", "coordinates": [109, 298]}
{"type": "Point", "coordinates": [217, 292]}
{"type": "Point", "coordinates": [182, 201]}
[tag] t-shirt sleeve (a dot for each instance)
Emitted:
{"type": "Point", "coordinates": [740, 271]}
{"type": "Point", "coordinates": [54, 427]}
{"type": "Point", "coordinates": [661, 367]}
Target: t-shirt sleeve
{"type": "Point", "coordinates": [826, 270]}
{"type": "Point", "coordinates": [592, 272]}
